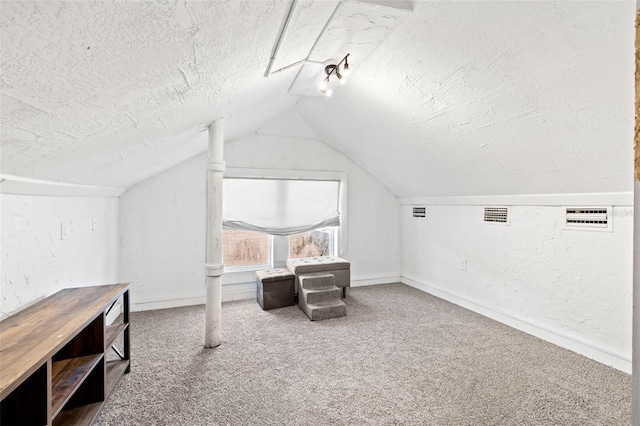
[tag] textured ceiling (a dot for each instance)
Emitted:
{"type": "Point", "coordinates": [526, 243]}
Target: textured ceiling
{"type": "Point", "coordinates": [493, 98]}
{"type": "Point", "coordinates": [447, 98]}
{"type": "Point", "coordinates": [108, 93]}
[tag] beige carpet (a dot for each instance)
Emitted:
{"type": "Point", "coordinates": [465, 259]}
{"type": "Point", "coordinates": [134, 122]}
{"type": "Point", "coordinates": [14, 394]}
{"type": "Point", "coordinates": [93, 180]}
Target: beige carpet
{"type": "Point", "coordinates": [400, 356]}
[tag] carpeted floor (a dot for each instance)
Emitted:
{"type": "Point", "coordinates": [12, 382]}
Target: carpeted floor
{"type": "Point", "coordinates": [400, 356]}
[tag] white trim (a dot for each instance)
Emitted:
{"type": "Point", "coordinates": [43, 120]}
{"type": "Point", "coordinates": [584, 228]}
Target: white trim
{"type": "Point", "coordinates": [585, 199]}
{"type": "Point", "coordinates": [363, 282]}
{"type": "Point", "coordinates": [556, 337]}
{"type": "Point", "coordinates": [233, 291]}
{"type": "Point", "coordinates": [284, 174]}
{"type": "Point", "coordinates": [178, 301]}
{"type": "Point", "coordinates": [166, 302]}
{"type": "Point", "coordinates": [18, 185]}
{"type": "Point", "coordinates": [230, 296]}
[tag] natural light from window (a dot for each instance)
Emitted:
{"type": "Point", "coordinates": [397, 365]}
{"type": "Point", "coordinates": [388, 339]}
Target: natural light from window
{"type": "Point", "coordinates": [314, 243]}
{"type": "Point", "coordinates": [245, 249]}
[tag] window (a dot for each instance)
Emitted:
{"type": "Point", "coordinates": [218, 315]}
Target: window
{"type": "Point", "coordinates": [245, 249]}
{"type": "Point", "coordinates": [296, 213]}
{"type": "Point", "coordinates": [319, 242]}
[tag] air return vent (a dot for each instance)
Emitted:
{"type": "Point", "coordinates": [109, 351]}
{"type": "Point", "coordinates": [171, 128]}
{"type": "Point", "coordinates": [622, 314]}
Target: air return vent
{"type": "Point", "coordinates": [419, 212]}
{"type": "Point", "coordinates": [496, 215]}
{"type": "Point", "coordinates": [596, 218]}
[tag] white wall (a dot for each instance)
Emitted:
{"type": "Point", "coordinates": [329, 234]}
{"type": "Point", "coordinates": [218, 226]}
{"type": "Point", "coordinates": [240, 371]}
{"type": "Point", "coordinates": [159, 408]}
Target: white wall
{"type": "Point", "coordinates": [36, 262]}
{"type": "Point", "coordinates": [163, 218]}
{"type": "Point", "coordinates": [573, 288]}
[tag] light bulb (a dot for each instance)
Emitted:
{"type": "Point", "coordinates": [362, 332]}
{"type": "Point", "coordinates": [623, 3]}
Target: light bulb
{"type": "Point", "coordinates": [345, 70]}
{"type": "Point", "coordinates": [343, 80]}
{"type": "Point", "coordinates": [328, 92]}
{"type": "Point", "coordinates": [323, 85]}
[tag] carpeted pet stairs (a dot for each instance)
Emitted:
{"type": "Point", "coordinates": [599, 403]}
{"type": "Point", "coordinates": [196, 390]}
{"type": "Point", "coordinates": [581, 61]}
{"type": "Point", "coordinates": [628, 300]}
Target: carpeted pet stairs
{"type": "Point", "coordinates": [319, 297]}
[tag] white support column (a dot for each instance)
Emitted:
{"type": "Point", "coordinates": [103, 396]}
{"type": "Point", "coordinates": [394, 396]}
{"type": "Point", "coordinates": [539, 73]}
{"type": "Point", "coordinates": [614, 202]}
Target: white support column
{"type": "Point", "coordinates": [214, 267]}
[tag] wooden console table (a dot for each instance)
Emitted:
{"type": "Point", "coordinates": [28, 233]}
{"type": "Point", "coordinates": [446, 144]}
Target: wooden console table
{"type": "Point", "coordinates": [53, 369]}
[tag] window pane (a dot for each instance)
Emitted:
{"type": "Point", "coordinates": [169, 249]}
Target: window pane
{"type": "Point", "coordinates": [311, 244]}
{"type": "Point", "coordinates": [244, 248]}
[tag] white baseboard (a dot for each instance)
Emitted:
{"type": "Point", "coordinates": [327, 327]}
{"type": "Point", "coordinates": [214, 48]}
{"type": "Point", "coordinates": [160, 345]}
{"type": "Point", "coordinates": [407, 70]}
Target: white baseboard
{"type": "Point", "coordinates": [589, 350]}
{"type": "Point", "coordinates": [230, 296]}
{"type": "Point", "coordinates": [165, 303]}
{"type": "Point", "coordinates": [178, 301]}
{"type": "Point", "coordinates": [361, 282]}
{"type": "Point", "coordinates": [231, 292]}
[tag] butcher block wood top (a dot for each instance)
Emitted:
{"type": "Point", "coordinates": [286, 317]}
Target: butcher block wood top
{"type": "Point", "coordinates": [30, 337]}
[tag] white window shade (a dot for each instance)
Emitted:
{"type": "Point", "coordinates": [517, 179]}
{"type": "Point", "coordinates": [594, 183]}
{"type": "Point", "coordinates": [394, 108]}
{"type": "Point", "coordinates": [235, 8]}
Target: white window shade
{"type": "Point", "coordinates": [280, 206]}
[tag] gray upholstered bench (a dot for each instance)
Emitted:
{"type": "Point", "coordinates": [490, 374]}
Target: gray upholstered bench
{"type": "Point", "coordinates": [339, 268]}
{"type": "Point", "coordinates": [276, 288]}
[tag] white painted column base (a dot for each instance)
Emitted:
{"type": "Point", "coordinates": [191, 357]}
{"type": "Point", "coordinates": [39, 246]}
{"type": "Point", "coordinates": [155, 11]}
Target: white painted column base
{"type": "Point", "coordinates": [213, 313]}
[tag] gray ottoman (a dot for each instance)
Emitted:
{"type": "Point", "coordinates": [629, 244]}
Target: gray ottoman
{"type": "Point", "coordinates": [276, 288]}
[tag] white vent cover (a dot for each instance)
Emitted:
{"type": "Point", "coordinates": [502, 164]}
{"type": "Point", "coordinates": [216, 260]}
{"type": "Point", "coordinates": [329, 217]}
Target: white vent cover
{"type": "Point", "coordinates": [596, 218]}
{"type": "Point", "coordinates": [419, 212]}
{"type": "Point", "coordinates": [496, 215]}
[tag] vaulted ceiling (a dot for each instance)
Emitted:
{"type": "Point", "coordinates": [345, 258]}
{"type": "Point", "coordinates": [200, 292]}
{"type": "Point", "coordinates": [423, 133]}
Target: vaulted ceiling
{"type": "Point", "coordinates": [446, 98]}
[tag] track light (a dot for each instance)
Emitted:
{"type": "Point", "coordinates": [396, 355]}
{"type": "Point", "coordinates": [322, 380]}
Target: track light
{"type": "Point", "coordinates": [333, 67]}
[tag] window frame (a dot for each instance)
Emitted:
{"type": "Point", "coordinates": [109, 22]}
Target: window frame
{"type": "Point", "coordinates": [276, 252]}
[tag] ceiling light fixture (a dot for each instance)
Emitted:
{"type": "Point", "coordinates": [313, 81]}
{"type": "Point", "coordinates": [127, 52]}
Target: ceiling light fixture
{"type": "Point", "coordinates": [333, 67]}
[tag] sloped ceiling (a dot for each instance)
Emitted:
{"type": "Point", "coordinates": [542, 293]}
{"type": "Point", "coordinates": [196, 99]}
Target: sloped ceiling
{"type": "Point", "coordinates": [459, 98]}
{"type": "Point", "coordinates": [493, 98]}
{"type": "Point", "coordinates": [108, 93]}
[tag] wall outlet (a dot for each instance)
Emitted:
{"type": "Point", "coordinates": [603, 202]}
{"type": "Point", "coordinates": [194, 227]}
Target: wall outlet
{"type": "Point", "coordinates": [65, 230]}
{"type": "Point", "coordinates": [463, 265]}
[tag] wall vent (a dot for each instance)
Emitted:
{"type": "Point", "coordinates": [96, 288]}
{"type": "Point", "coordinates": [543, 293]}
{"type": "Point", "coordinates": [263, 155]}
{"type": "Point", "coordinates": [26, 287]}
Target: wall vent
{"type": "Point", "coordinates": [496, 215]}
{"type": "Point", "coordinates": [419, 212]}
{"type": "Point", "coordinates": [595, 218]}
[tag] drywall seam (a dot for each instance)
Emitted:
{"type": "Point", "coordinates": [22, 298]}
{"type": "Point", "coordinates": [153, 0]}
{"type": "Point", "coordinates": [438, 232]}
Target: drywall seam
{"type": "Point", "coordinates": [594, 352]}
{"type": "Point", "coordinates": [617, 199]}
{"type": "Point", "coordinates": [18, 185]}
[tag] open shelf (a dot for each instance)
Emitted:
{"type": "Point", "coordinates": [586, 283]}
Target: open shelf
{"type": "Point", "coordinates": [115, 370]}
{"type": "Point", "coordinates": [83, 415]}
{"type": "Point", "coordinates": [54, 370]}
{"type": "Point", "coordinates": [67, 375]}
{"type": "Point", "coordinates": [112, 332]}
